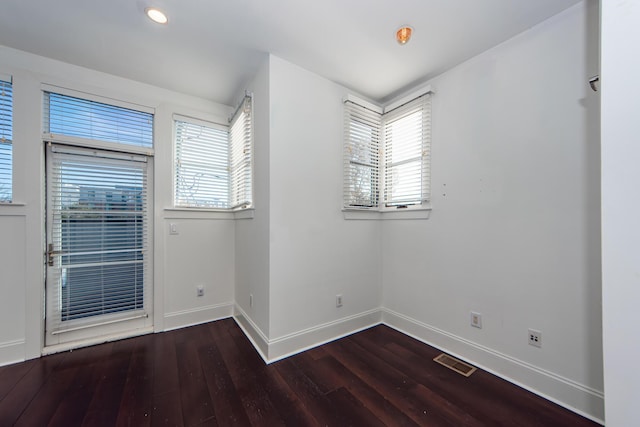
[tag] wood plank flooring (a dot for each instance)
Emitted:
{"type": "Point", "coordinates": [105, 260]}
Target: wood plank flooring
{"type": "Point", "coordinates": [210, 375]}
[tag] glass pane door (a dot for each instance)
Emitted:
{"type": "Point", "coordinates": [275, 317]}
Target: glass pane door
{"type": "Point", "coordinates": [97, 248]}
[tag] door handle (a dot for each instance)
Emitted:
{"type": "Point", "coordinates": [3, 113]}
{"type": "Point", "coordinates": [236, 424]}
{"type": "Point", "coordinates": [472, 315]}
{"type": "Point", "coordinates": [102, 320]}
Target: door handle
{"type": "Point", "coordinates": [51, 253]}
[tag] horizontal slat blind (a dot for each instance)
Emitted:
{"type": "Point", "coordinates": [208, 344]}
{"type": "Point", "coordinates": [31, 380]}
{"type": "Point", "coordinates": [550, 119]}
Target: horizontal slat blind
{"type": "Point", "coordinates": [100, 234]}
{"type": "Point", "coordinates": [201, 166]}
{"type": "Point", "coordinates": [361, 156]}
{"type": "Point", "coordinates": [6, 141]}
{"type": "Point", "coordinates": [241, 152]}
{"type": "Point", "coordinates": [407, 141]}
{"type": "Point", "coordinates": [82, 118]}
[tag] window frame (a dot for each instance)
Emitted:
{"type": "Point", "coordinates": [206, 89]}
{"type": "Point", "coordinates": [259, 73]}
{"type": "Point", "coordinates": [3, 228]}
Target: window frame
{"type": "Point", "coordinates": [244, 209]}
{"type": "Point", "coordinates": [91, 142]}
{"type": "Point", "coordinates": [6, 81]}
{"type": "Point", "coordinates": [383, 210]}
{"type": "Point", "coordinates": [209, 125]}
{"type": "Point", "coordinates": [366, 116]}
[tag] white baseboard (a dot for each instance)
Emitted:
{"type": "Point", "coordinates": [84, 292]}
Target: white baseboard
{"type": "Point", "coordinates": [285, 346]}
{"type": "Point", "coordinates": [196, 316]}
{"type": "Point", "coordinates": [272, 350]}
{"type": "Point", "coordinates": [576, 397]}
{"type": "Point", "coordinates": [258, 339]}
{"type": "Point", "coordinates": [11, 352]}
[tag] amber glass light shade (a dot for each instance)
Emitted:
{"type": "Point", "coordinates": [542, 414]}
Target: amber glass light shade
{"type": "Point", "coordinates": [403, 35]}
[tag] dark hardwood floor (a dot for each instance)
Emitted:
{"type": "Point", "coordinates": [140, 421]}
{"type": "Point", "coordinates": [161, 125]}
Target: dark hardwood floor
{"type": "Point", "coordinates": [210, 375]}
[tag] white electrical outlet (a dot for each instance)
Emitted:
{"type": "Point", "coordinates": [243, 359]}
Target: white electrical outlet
{"type": "Point", "coordinates": [339, 300]}
{"type": "Point", "coordinates": [535, 338]}
{"type": "Point", "coordinates": [200, 290]}
{"type": "Point", "coordinates": [250, 300]}
{"type": "Point", "coordinates": [476, 320]}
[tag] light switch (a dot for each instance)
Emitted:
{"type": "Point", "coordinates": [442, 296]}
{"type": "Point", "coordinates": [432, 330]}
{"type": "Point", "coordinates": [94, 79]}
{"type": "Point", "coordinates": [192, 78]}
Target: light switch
{"type": "Point", "coordinates": [173, 228]}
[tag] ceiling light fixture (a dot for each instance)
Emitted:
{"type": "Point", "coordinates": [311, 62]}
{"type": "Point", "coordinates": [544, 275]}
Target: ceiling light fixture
{"type": "Point", "coordinates": [156, 15]}
{"type": "Point", "coordinates": [403, 35]}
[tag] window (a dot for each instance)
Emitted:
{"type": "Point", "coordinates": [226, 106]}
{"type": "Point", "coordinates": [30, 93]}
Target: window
{"type": "Point", "coordinates": [86, 119]}
{"type": "Point", "coordinates": [241, 141]}
{"type": "Point", "coordinates": [406, 153]}
{"type": "Point", "coordinates": [387, 153]}
{"type": "Point", "coordinates": [6, 140]}
{"type": "Point", "coordinates": [201, 165]}
{"type": "Point", "coordinates": [213, 163]}
{"type": "Point", "coordinates": [361, 156]}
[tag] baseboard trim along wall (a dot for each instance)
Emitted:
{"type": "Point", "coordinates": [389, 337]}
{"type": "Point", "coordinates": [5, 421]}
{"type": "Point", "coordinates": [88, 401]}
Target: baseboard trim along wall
{"type": "Point", "coordinates": [288, 345]}
{"type": "Point", "coordinates": [574, 396]}
{"type": "Point", "coordinates": [258, 339]}
{"type": "Point", "coordinates": [11, 352]}
{"type": "Point", "coordinates": [272, 350]}
{"type": "Point", "coordinates": [196, 316]}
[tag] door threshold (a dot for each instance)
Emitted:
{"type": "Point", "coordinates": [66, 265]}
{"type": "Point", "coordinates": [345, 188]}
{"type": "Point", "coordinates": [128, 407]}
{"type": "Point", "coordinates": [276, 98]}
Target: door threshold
{"type": "Point", "coordinates": [58, 348]}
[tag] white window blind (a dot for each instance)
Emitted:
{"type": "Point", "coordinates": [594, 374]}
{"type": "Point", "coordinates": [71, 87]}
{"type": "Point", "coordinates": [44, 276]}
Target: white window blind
{"type": "Point", "coordinates": [6, 141]}
{"type": "Point", "coordinates": [201, 165]}
{"type": "Point", "coordinates": [407, 137]}
{"type": "Point", "coordinates": [241, 156]}
{"type": "Point", "coordinates": [82, 118]}
{"type": "Point", "coordinates": [100, 235]}
{"type": "Point", "coordinates": [361, 156]}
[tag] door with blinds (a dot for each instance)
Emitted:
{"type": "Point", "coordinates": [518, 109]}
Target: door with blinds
{"type": "Point", "coordinates": [97, 244]}
{"type": "Point", "coordinates": [98, 169]}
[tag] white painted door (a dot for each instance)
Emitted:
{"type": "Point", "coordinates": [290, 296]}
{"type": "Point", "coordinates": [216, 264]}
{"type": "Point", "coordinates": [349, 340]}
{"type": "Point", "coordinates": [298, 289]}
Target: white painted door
{"type": "Point", "coordinates": [98, 251]}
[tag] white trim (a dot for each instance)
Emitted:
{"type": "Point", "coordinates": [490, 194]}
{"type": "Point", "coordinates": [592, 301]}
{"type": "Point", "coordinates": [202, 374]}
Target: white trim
{"type": "Point", "coordinates": [272, 350]}
{"type": "Point", "coordinates": [200, 213]}
{"type": "Point", "coordinates": [196, 213]}
{"type": "Point", "coordinates": [407, 98]}
{"type": "Point", "coordinates": [388, 214]}
{"type": "Point", "coordinates": [570, 394]}
{"type": "Point", "coordinates": [83, 150]}
{"type": "Point", "coordinates": [96, 98]}
{"type": "Point", "coordinates": [11, 352]}
{"type": "Point", "coordinates": [13, 209]}
{"type": "Point", "coordinates": [6, 78]}
{"type": "Point", "coordinates": [415, 213]}
{"type": "Point", "coordinates": [97, 144]}
{"type": "Point", "coordinates": [248, 213]}
{"type": "Point", "coordinates": [255, 335]}
{"type": "Point", "coordinates": [369, 214]}
{"type": "Point", "coordinates": [196, 316]}
{"type": "Point", "coordinates": [361, 102]}
{"type": "Point", "coordinates": [297, 342]}
{"type": "Point", "coordinates": [200, 122]}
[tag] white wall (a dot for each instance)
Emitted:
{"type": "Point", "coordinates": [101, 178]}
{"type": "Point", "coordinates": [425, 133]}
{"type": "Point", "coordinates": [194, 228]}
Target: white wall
{"type": "Point", "coordinates": [314, 253]}
{"type": "Point", "coordinates": [202, 253]}
{"type": "Point", "coordinates": [252, 235]}
{"type": "Point", "coordinates": [515, 229]}
{"type": "Point", "coordinates": [514, 233]}
{"type": "Point", "coordinates": [12, 285]}
{"type": "Point", "coordinates": [620, 207]}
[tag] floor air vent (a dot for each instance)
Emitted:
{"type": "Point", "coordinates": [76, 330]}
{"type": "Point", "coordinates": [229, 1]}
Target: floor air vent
{"type": "Point", "coordinates": [455, 365]}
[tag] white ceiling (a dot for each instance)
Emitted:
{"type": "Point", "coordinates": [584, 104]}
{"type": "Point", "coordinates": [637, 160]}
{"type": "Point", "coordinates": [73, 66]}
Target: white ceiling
{"type": "Point", "coordinates": [212, 48]}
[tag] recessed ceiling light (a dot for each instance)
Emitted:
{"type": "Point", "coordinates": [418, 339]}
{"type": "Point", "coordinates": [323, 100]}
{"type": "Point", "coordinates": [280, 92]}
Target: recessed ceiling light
{"type": "Point", "coordinates": [403, 35]}
{"type": "Point", "coordinates": [156, 15]}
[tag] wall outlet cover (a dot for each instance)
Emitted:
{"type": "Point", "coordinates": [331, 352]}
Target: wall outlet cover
{"type": "Point", "coordinates": [476, 320]}
{"type": "Point", "coordinates": [535, 338]}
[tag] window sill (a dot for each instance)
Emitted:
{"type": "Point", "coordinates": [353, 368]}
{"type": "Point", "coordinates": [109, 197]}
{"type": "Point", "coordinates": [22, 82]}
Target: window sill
{"type": "Point", "coordinates": [387, 214]}
{"type": "Point", "coordinates": [12, 209]}
{"type": "Point", "coordinates": [195, 213]}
